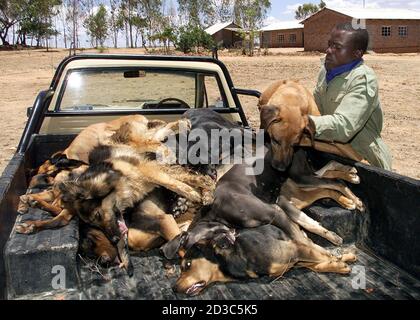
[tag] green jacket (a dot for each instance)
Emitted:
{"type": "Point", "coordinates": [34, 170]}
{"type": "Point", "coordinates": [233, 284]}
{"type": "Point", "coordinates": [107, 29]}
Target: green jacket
{"type": "Point", "coordinates": [351, 113]}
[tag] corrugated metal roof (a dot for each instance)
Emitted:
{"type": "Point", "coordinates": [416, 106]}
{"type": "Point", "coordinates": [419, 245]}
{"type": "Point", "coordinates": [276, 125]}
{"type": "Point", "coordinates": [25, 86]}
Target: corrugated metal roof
{"type": "Point", "coordinates": [218, 26]}
{"type": "Point", "coordinates": [386, 14]}
{"type": "Point", "coordinates": [283, 26]}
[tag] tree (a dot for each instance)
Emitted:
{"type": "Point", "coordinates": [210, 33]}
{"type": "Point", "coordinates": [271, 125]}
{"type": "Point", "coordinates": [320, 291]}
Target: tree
{"type": "Point", "coordinates": [150, 12]}
{"type": "Point", "coordinates": [11, 12]}
{"type": "Point", "coordinates": [193, 37]}
{"type": "Point", "coordinates": [196, 12]}
{"type": "Point", "coordinates": [74, 15]}
{"type": "Point", "coordinates": [167, 36]}
{"type": "Point", "coordinates": [308, 9]}
{"type": "Point", "coordinates": [37, 20]}
{"type": "Point", "coordinates": [223, 10]}
{"type": "Point", "coordinates": [114, 25]}
{"type": "Point", "coordinates": [97, 25]}
{"type": "Point", "coordinates": [250, 15]}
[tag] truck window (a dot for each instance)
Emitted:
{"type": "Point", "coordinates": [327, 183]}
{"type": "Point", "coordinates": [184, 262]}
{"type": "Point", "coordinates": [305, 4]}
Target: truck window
{"type": "Point", "coordinates": [214, 98]}
{"type": "Point", "coordinates": [124, 89]}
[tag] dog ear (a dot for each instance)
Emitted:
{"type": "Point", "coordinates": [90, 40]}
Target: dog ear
{"type": "Point", "coordinates": [171, 248]}
{"type": "Point", "coordinates": [224, 240]}
{"type": "Point", "coordinates": [268, 114]}
{"type": "Point", "coordinates": [310, 128]}
{"type": "Point", "coordinates": [68, 191]}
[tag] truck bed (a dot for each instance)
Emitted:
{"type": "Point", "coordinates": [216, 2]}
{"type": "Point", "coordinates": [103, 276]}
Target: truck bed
{"type": "Point", "coordinates": [384, 238]}
{"type": "Point", "coordinates": [153, 281]}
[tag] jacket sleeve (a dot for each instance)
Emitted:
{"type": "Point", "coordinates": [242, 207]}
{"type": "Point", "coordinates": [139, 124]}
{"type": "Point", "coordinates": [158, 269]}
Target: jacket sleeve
{"type": "Point", "coordinates": [317, 94]}
{"type": "Point", "coordinates": [352, 113]}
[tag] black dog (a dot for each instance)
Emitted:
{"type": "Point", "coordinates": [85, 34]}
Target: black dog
{"type": "Point", "coordinates": [247, 201]}
{"type": "Point", "coordinates": [252, 252]}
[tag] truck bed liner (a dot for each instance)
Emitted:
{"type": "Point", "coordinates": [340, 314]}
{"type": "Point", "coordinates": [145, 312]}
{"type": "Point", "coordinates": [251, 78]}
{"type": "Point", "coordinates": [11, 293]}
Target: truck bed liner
{"type": "Point", "coordinates": [152, 281]}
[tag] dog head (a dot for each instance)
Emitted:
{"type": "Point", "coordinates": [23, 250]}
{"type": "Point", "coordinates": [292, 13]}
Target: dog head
{"type": "Point", "coordinates": [86, 196]}
{"type": "Point", "coordinates": [203, 264]}
{"type": "Point", "coordinates": [202, 231]}
{"type": "Point", "coordinates": [94, 244]}
{"type": "Point", "coordinates": [284, 116]}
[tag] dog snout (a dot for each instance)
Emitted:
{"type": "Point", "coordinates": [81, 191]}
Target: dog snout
{"type": "Point", "coordinates": [278, 165]}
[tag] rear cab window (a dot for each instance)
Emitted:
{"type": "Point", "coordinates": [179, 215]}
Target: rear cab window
{"type": "Point", "coordinates": [112, 89]}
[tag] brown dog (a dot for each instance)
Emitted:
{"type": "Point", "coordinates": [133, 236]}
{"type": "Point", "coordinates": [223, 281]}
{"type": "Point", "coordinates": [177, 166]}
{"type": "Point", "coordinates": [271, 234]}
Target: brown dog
{"type": "Point", "coordinates": [284, 108]}
{"type": "Point", "coordinates": [135, 130]}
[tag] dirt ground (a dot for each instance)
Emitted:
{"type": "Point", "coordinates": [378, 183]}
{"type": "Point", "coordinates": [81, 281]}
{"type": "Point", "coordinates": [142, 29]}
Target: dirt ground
{"type": "Point", "coordinates": [24, 73]}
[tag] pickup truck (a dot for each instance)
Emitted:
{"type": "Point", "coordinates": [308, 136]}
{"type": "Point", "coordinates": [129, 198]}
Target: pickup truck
{"type": "Point", "coordinates": [87, 89]}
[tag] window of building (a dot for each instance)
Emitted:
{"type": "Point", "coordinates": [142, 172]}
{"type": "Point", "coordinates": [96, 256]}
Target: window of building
{"type": "Point", "coordinates": [386, 31]}
{"type": "Point", "coordinates": [402, 31]}
{"type": "Point", "coordinates": [292, 38]}
{"type": "Point", "coordinates": [280, 38]}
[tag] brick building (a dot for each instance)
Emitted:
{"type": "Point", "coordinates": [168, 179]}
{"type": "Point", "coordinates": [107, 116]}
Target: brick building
{"type": "Point", "coordinates": [390, 30]}
{"type": "Point", "coordinates": [225, 34]}
{"type": "Point", "coordinates": [282, 34]}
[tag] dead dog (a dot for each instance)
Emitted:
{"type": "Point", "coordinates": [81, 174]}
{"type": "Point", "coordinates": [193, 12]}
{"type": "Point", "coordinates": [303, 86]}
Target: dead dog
{"type": "Point", "coordinates": [250, 253]}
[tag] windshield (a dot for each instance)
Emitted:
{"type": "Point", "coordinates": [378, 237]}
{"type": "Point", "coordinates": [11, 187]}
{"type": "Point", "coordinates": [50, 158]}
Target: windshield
{"type": "Point", "coordinates": [122, 88]}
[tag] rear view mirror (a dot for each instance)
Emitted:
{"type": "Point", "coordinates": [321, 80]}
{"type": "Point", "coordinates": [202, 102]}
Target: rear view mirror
{"type": "Point", "coordinates": [134, 74]}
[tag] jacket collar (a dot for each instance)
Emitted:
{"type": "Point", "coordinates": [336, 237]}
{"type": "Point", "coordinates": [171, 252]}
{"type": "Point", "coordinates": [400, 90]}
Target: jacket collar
{"type": "Point", "coordinates": [330, 75]}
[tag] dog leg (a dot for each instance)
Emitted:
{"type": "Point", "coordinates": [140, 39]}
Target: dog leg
{"type": "Point", "coordinates": [306, 222]}
{"type": "Point", "coordinates": [27, 201]}
{"type": "Point", "coordinates": [335, 170]}
{"type": "Point", "coordinates": [155, 174]}
{"type": "Point", "coordinates": [322, 260]}
{"type": "Point", "coordinates": [28, 227]}
{"type": "Point", "coordinates": [303, 197]}
{"type": "Point", "coordinates": [139, 240]}
{"type": "Point", "coordinates": [347, 194]}
{"type": "Point", "coordinates": [251, 212]}
{"type": "Point", "coordinates": [124, 256]}
{"type": "Point", "coordinates": [323, 189]}
{"type": "Point", "coordinates": [172, 128]}
{"type": "Point", "coordinates": [342, 150]}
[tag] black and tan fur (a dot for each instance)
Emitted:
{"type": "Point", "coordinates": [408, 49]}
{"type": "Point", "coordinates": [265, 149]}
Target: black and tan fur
{"type": "Point", "coordinates": [253, 252]}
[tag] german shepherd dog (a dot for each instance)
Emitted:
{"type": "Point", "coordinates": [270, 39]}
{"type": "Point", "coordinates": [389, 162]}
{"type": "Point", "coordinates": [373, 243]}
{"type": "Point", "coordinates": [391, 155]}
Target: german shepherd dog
{"type": "Point", "coordinates": [119, 176]}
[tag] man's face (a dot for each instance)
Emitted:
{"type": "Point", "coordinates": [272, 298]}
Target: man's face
{"type": "Point", "coordinates": [340, 49]}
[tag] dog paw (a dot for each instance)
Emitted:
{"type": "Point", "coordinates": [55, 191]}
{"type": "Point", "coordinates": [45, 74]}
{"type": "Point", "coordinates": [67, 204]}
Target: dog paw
{"type": "Point", "coordinates": [334, 238]}
{"type": "Point", "coordinates": [359, 205]}
{"type": "Point", "coordinates": [345, 270]}
{"type": "Point", "coordinates": [181, 206]}
{"type": "Point", "coordinates": [348, 203]}
{"type": "Point", "coordinates": [128, 266]}
{"type": "Point", "coordinates": [185, 124]}
{"type": "Point", "coordinates": [26, 227]}
{"type": "Point", "coordinates": [208, 198]}
{"type": "Point", "coordinates": [348, 257]}
{"type": "Point", "coordinates": [354, 178]}
{"type": "Point", "coordinates": [23, 208]}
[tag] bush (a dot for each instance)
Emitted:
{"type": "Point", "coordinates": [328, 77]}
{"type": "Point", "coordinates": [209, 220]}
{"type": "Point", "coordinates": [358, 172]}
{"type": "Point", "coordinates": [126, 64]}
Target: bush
{"type": "Point", "coordinates": [193, 37]}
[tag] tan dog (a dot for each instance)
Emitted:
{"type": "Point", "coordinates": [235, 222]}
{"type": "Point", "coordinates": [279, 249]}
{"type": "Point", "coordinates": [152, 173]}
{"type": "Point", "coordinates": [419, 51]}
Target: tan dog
{"type": "Point", "coordinates": [284, 108]}
{"type": "Point", "coordinates": [136, 130]}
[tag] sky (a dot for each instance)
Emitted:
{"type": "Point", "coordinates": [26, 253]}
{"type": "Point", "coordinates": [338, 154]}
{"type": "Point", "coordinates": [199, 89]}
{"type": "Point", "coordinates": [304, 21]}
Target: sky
{"type": "Point", "coordinates": [284, 10]}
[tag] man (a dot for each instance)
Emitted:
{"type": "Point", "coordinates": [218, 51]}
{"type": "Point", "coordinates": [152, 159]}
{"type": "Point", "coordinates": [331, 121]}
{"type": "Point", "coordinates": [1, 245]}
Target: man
{"type": "Point", "coordinates": [347, 97]}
